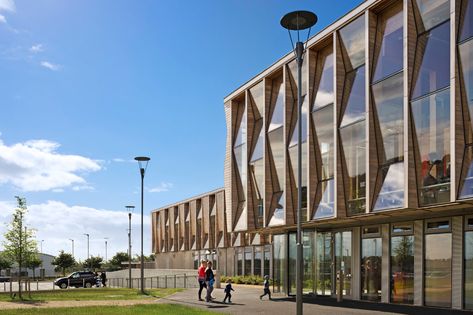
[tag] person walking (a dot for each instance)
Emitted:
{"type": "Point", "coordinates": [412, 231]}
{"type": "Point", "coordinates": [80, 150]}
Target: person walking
{"type": "Point", "coordinates": [228, 291]}
{"type": "Point", "coordinates": [201, 277]}
{"type": "Point", "coordinates": [209, 279]}
{"type": "Point", "coordinates": [103, 276]}
{"type": "Point", "coordinates": [266, 288]}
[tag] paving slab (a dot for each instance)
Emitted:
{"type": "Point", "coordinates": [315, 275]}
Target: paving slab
{"type": "Point", "coordinates": [245, 300]}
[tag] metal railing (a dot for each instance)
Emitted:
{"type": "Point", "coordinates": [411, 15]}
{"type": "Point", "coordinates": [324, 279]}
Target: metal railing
{"type": "Point", "coordinates": [167, 281]}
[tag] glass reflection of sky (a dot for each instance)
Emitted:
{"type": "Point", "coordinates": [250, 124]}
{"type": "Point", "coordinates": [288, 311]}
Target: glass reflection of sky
{"type": "Point", "coordinates": [353, 37]}
{"type": "Point", "coordinates": [391, 194]}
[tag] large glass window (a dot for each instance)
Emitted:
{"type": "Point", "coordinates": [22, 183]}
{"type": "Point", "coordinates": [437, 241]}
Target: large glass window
{"type": "Point", "coordinates": [432, 12]}
{"type": "Point", "coordinates": [469, 264]}
{"type": "Point", "coordinates": [432, 127]}
{"type": "Point", "coordinates": [279, 263]}
{"type": "Point", "coordinates": [327, 202]}
{"type": "Point", "coordinates": [438, 265]}
{"type": "Point", "coordinates": [239, 262]}
{"type": "Point", "coordinates": [257, 262]}
{"type": "Point", "coordinates": [355, 107]}
{"type": "Point", "coordinates": [267, 259]}
{"type": "Point", "coordinates": [240, 152]}
{"type": "Point", "coordinates": [389, 56]}
{"type": "Point", "coordinates": [402, 264]}
{"type": "Point", "coordinates": [248, 260]}
{"type": "Point", "coordinates": [324, 94]}
{"type": "Point", "coordinates": [324, 263]}
{"type": "Point", "coordinates": [371, 256]}
{"type": "Point", "coordinates": [466, 28]}
{"type": "Point", "coordinates": [433, 75]}
{"type": "Point", "coordinates": [308, 238]}
{"type": "Point", "coordinates": [353, 140]}
{"type": "Point", "coordinates": [275, 133]}
{"type": "Point", "coordinates": [343, 261]}
{"type": "Point", "coordinates": [292, 263]}
{"type": "Point", "coordinates": [353, 40]}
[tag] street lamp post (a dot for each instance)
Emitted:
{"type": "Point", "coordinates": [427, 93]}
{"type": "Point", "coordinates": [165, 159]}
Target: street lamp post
{"type": "Point", "coordinates": [72, 246]}
{"type": "Point", "coordinates": [106, 244]}
{"type": "Point", "coordinates": [41, 246]}
{"type": "Point", "coordinates": [297, 21]}
{"type": "Point", "coordinates": [130, 210]}
{"type": "Point", "coordinates": [88, 237]}
{"type": "Point", "coordinates": [143, 164]}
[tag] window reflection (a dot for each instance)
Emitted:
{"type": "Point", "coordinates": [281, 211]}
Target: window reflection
{"type": "Point", "coordinates": [355, 106]}
{"type": "Point", "coordinates": [308, 238]}
{"type": "Point", "coordinates": [279, 263]}
{"type": "Point", "coordinates": [343, 259]}
{"type": "Point", "coordinates": [277, 117]}
{"type": "Point", "coordinates": [434, 71]}
{"type": "Point", "coordinates": [324, 94]}
{"type": "Point", "coordinates": [466, 28]}
{"type": "Point", "coordinates": [438, 270]}
{"type": "Point", "coordinates": [257, 262]}
{"type": "Point", "coordinates": [248, 258]}
{"type": "Point", "coordinates": [432, 126]}
{"type": "Point", "coordinates": [388, 99]}
{"type": "Point", "coordinates": [466, 60]}
{"type": "Point", "coordinates": [391, 194]}
{"type": "Point", "coordinates": [353, 40]}
{"type": "Point", "coordinates": [324, 263]}
{"type": "Point", "coordinates": [326, 204]}
{"type": "Point", "coordinates": [402, 269]}
{"type": "Point", "coordinates": [323, 122]}
{"type": "Point", "coordinates": [371, 269]}
{"type": "Point", "coordinates": [466, 190]}
{"type": "Point", "coordinates": [292, 263]}
{"type": "Point", "coordinates": [433, 12]}
{"type": "Point", "coordinates": [390, 53]}
{"type": "Point", "coordinates": [276, 140]}
{"type": "Point", "coordinates": [353, 141]}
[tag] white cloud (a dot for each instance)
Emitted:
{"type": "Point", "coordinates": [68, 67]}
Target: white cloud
{"type": "Point", "coordinates": [118, 160]}
{"type": "Point", "coordinates": [37, 48]}
{"type": "Point", "coordinates": [161, 188]}
{"type": "Point", "coordinates": [50, 66]}
{"type": "Point", "coordinates": [3, 19]}
{"type": "Point", "coordinates": [36, 166]}
{"type": "Point", "coordinates": [56, 222]}
{"type": "Point", "coordinates": [7, 5]}
{"type": "Point", "coordinates": [83, 187]}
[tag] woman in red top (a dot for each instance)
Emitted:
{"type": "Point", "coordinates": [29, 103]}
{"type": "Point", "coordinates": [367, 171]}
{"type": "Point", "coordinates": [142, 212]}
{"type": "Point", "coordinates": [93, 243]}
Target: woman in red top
{"type": "Point", "coordinates": [201, 277]}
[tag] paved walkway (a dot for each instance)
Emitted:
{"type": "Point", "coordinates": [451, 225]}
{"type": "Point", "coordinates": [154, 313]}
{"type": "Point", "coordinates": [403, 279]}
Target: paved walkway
{"type": "Point", "coordinates": [246, 301]}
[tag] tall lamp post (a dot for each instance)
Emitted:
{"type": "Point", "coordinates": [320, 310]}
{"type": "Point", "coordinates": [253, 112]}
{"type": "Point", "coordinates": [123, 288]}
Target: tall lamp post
{"type": "Point", "coordinates": [42, 246]}
{"type": "Point", "coordinates": [88, 237]}
{"type": "Point", "coordinates": [298, 21]}
{"type": "Point", "coordinates": [143, 164]}
{"type": "Point", "coordinates": [72, 246]}
{"type": "Point", "coordinates": [106, 244]}
{"type": "Point", "coordinates": [130, 210]}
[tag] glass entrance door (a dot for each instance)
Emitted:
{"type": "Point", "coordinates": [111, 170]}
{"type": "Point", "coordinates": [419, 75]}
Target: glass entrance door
{"type": "Point", "coordinates": [342, 262]}
{"type": "Point", "coordinates": [324, 263]}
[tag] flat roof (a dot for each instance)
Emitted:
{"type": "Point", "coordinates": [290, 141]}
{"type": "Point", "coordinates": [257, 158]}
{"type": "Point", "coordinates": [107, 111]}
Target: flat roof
{"type": "Point", "coordinates": [322, 34]}
{"type": "Point", "coordinates": [190, 199]}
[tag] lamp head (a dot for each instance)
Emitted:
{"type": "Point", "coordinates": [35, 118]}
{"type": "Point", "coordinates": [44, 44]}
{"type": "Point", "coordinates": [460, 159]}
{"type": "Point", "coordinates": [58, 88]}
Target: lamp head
{"type": "Point", "coordinates": [298, 20]}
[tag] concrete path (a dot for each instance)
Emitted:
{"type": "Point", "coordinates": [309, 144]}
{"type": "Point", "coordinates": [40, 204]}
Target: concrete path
{"type": "Point", "coordinates": [246, 301]}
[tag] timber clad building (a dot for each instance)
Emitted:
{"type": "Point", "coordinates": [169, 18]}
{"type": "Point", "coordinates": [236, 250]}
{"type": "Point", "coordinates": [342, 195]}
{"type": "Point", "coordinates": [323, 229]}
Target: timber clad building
{"type": "Point", "coordinates": [387, 164]}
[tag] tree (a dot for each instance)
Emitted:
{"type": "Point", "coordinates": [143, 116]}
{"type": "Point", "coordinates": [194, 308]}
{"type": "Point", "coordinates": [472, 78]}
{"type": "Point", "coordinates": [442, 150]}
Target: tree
{"type": "Point", "coordinates": [93, 263]}
{"type": "Point", "coordinates": [63, 261]}
{"type": "Point", "coordinates": [5, 263]}
{"type": "Point", "coordinates": [19, 243]}
{"type": "Point", "coordinates": [116, 261]}
{"type": "Point", "coordinates": [33, 263]}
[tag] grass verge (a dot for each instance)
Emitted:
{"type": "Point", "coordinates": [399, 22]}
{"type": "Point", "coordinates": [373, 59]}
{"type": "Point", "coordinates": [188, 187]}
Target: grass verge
{"type": "Point", "coordinates": [93, 294]}
{"type": "Point", "coordinates": [162, 309]}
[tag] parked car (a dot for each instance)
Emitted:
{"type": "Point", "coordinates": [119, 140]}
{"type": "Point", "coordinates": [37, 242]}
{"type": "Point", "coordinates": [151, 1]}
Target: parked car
{"type": "Point", "coordinates": [78, 279]}
{"type": "Point", "coordinates": [4, 279]}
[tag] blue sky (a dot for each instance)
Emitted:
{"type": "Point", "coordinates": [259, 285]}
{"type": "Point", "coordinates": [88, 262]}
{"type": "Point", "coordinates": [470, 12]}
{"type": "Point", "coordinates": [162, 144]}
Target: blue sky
{"type": "Point", "coordinates": [87, 85]}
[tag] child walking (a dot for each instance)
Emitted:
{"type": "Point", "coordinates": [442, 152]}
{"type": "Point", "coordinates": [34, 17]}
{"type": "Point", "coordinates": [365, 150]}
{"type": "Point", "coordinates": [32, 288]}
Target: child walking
{"type": "Point", "coordinates": [266, 288]}
{"type": "Point", "coordinates": [228, 290]}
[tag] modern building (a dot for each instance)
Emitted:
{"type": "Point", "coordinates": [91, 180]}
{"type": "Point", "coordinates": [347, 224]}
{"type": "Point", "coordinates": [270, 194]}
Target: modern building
{"type": "Point", "coordinates": [387, 164]}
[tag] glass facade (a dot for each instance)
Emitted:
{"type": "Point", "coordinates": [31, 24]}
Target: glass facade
{"type": "Point", "coordinates": [267, 260]}
{"type": "Point", "coordinates": [275, 136]}
{"type": "Point", "coordinates": [402, 267]}
{"type": "Point", "coordinates": [438, 270]}
{"type": "Point", "coordinates": [256, 164]}
{"type": "Point", "coordinates": [324, 264]}
{"type": "Point", "coordinates": [279, 263]}
{"type": "Point", "coordinates": [240, 152]}
{"type": "Point", "coordinates": [308, 239]}
{"type": "Point", "coordinates": [248, 260]}
{"type": "Point", "coordinates": [343, 258]}
{"type": "Point", "coordinates": [257, 262]}
{"type": "Point", "coordinates": [371, 253]}
{"type": "Point", "coordinates": [291, 272]}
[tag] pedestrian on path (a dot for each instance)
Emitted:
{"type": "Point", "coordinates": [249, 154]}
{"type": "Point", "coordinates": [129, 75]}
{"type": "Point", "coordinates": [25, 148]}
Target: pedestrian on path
{"type": "Point", "coordinates": [209, 279]}
{"type": "Point", "coordinates": [228, 291]}
{"type": "Point", "coordinates": [103, 276]}
{"type": "Point", "coordinates": [201, 277]}
{"type": "Point", "coordinates": [266, 288]}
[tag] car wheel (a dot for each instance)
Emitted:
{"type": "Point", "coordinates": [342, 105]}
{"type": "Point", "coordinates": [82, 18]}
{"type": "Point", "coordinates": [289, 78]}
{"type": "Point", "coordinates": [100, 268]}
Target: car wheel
{"type": "Point", "coordinates": [63, 285]}
{"type": "Point", "coordinates": [88, 285]}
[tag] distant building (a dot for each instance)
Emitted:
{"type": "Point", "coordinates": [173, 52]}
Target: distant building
{"type": "Point", "coordinates": [46, 270]}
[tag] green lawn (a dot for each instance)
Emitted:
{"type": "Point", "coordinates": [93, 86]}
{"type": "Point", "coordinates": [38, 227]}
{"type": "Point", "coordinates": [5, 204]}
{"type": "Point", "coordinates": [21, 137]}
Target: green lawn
{"type": "Point", "coordinates": [162, 309]}
{"type": "Point", "coordinates": [92, 294]}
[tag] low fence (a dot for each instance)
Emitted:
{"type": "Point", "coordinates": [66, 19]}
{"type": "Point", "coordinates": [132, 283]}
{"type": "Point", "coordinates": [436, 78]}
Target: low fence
{"type": "Point", "coordinates": [166, 281]}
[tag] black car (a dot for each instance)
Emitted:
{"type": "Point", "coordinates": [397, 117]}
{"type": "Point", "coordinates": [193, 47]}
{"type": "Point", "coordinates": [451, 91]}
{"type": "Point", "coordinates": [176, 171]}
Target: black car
{"type": "Point", "coordinates": [4, 279]}
{"type": "Point", "coordinates": [86, 279]}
